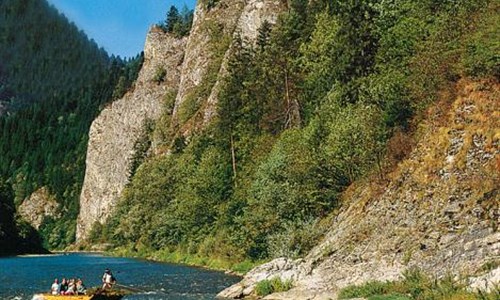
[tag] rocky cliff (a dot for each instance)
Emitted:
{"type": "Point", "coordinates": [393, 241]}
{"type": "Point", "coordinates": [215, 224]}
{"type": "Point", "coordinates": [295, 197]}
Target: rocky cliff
{"type": "Point", "coordinates": [114, 133]}
{"type": "Point", "coordinates": [37, 206]}
{"type": "Point", "coordinates": [439, 212]}
{"type": "Point", "coordinates": [207, 53]}
{"type": "Point", "coordinates": [194, 69]}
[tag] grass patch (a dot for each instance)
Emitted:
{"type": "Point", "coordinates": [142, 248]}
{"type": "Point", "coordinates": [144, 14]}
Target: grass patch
{"type": "Point", "coordinates": [180, 257]}
{"type": "Point", "coordinates": [490, 266]}
{"type": "Point", "coordinates": [275, 285]}
{"type": "Point", "coordinates": [416, 285]}
{"type": "Point", "coordinates": [389, 297]}
{"type": "Point", "coordinates": [244, 266]}
{"type": "Point", "coordinates": [372, 288]}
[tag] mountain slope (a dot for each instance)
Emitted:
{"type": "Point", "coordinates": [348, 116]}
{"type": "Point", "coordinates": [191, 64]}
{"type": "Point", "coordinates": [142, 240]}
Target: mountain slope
{"type": "Point", "coordinates": [439, 210]}
{"type": "Point", "coordinates": [53, 82]}
{"type": "Point", "coordinates": [114, 134]}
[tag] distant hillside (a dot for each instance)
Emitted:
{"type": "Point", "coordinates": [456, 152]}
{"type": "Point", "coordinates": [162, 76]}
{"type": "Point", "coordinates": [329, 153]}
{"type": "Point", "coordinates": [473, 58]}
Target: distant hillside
{"type": "Point", "coordinates": [16, 235]}
{"type": "Point", "coordinates": [53, 82]}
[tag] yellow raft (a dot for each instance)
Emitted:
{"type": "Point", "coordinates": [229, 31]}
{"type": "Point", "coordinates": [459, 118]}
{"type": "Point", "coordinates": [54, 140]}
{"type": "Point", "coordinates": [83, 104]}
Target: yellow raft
{"type": "Point", "coordinates": [102, 296]}
{"type": "Point", "coordinates": [61, 297]}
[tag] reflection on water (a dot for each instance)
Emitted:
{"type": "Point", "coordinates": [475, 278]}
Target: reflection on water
{"type": "Point", "coordinates": [21, 277]}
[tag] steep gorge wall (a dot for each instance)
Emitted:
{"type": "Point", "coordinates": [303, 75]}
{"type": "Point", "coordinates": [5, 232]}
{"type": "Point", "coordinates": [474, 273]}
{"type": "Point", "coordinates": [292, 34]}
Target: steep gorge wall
{"type": "Point", "coordinates": [114, 133]}
{"type": "Point", "coordinates": [439, 212]}
{"type": "Point", "coordinates": [195, 67]}
{"type": "Point", "coordinates": [253, 15]}
{"type": "Point", "coordinates": [37, 206]}
{"type": "Point", "coordinates": [208, 50]}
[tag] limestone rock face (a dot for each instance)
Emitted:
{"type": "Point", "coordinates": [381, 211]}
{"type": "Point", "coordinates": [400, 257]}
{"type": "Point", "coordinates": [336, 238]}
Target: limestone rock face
{"type": "Point", "coordinates": [253, 15]}
{"type": "Point", "coordinates": [188, 63]}
{"type": "Point", "coordinates": [113, 134]}
{"type": "Point", "coordinates": [487, 282]}
{"type": "Point", "coordinates": [439, 212]}
{"type": "Point", "coordinates": [37, 206]}
{"type": "Point", "coordinates": [212, 27]}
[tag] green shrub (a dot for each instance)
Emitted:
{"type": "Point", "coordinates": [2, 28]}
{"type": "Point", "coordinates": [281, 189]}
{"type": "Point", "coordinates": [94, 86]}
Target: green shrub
{"type": "Point", "coordinates": [389, 297]}
{"type": "Point", "coordinates": [368, 289]}
{"type": "Point", "coordinates": [280, 285]}
{"type": "Point", "coordinates": [264, 288]}
{"type": "Point", "coordinates": [243, 267]}
{"type": "Point", "coordinates": [482, 54]}
{"type": "Point", "coordinates": [160, 75]}
{"type": "Point", "coordinates": [211, 4]}
{"type": "Point", "coordinates": [415, 285]}
{"type": "Point", "coordinates": [275, 285]}
{"type": "Point", "coordinates": [295, 239]}
{"type": "Point", "coordinates": [189, 107]}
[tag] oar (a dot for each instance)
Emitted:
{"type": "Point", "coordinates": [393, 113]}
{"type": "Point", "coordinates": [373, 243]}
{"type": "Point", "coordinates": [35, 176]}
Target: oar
{"type": "Point", "coordinates": [137, 290]}
{"type": "Point", "coordinates": [132, 289]}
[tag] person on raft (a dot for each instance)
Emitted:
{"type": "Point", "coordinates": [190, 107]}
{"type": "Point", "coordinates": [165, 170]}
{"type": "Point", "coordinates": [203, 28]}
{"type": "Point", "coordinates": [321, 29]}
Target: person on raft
{"type": "Point", "coordinates": [55, 289]}
{"type": "Point", "coordinates": [108, 280]}
{"type": "Point", "coordinates": [80, 287]}
{"type": "Point", "coordinates": [68, 287]}
{"type": "Point", "coordinates": [64, 286]}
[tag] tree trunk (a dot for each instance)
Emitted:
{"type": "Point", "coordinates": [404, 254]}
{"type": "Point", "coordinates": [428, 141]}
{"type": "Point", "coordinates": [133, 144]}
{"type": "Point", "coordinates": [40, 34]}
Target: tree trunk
{"type": "Point", "coordinates": [233, 158]}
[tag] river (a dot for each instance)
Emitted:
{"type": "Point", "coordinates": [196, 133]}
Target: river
{"type": "Point", "coordinates": [23, 276]}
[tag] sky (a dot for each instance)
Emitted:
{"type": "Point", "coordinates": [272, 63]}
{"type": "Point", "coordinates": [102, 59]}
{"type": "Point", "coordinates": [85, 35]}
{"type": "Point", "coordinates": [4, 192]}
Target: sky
{"type": "Point", "coordinates": [119, 26]}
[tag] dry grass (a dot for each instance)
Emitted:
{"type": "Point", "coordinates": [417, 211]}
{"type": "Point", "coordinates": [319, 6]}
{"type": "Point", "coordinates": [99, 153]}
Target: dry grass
{"type": "Point", "coordinates": [424, 164]}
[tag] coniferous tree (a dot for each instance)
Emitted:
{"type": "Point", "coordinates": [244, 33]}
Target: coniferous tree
{"type": "Point", "coordinates": [264, 34]}
{"type": "Point", "coordinates": [55, 81]}
{"type": "Point", "coordinates": [173, 18]}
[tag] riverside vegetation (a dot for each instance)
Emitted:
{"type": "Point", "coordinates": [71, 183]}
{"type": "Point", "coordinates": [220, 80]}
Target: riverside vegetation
{"type": "Point", "coordinates": [330, 94]}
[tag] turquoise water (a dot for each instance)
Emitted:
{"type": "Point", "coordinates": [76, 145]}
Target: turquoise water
{"type": "Point", "coordinates": [21, 277]}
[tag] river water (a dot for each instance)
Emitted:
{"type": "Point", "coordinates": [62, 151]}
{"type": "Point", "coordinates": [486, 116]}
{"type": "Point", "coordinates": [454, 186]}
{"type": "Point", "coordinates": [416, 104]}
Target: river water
{"type": "Point", "coordinates": [21, 277]}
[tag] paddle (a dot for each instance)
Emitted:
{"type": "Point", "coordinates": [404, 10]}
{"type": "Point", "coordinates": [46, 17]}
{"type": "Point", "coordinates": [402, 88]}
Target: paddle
{"type": "Point", "coordinates": [131, 289]}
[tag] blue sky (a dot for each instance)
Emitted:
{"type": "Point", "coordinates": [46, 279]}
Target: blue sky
{"type": "Point", "coordinates": [120, 26]}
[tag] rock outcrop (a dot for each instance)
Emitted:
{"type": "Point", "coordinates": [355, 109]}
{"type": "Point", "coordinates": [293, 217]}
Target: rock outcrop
{"type": "Point", "coordinates": [114, 133]}
{"type": "Point", "coordinates": [253, 15]}
{"type": "Point", "coordinates": [194, 69]}
{"type": "Point", "coordinates": [37, 206]}
{"type": "Point", "coordinates": [208, 50]}
{"type": "Point", "coordinates": [439, 212]}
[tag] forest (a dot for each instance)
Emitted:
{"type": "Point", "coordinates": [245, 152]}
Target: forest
{"type": "Point", "coordinates": [54, 81]}
{"type": "Point", "coordinates": [329, 95]}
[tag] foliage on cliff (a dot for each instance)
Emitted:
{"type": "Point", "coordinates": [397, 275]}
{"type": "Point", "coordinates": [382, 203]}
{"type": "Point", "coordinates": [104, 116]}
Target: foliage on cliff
{"type": "Point", "coordinates": [54, 80]}
{"type": "Point", "coordinates": [313, 106]}
{"type": "Point", "coordinates": [16, 236]}
{"type": "Point", "coordinates": [416, 285]}
{"type": "Point", "coordinates": [178, 23]}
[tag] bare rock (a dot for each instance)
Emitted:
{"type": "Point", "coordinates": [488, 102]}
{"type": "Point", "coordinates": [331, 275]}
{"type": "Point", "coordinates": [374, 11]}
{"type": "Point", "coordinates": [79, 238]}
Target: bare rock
{"type": "Point", "coordinates": [253, 15]}
{"type": "Point", "coordinates": [487, 282]}
{"type": "Point", "coordinates": [113, 134]}
{"type": "Point", "coordinates": [37, 206]}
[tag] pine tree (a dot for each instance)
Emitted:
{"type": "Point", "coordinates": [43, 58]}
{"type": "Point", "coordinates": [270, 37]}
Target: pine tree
{"type": "Point", "coordinates": [264, 33]}
{"type": "Point", "coordinates": [173, 18]}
